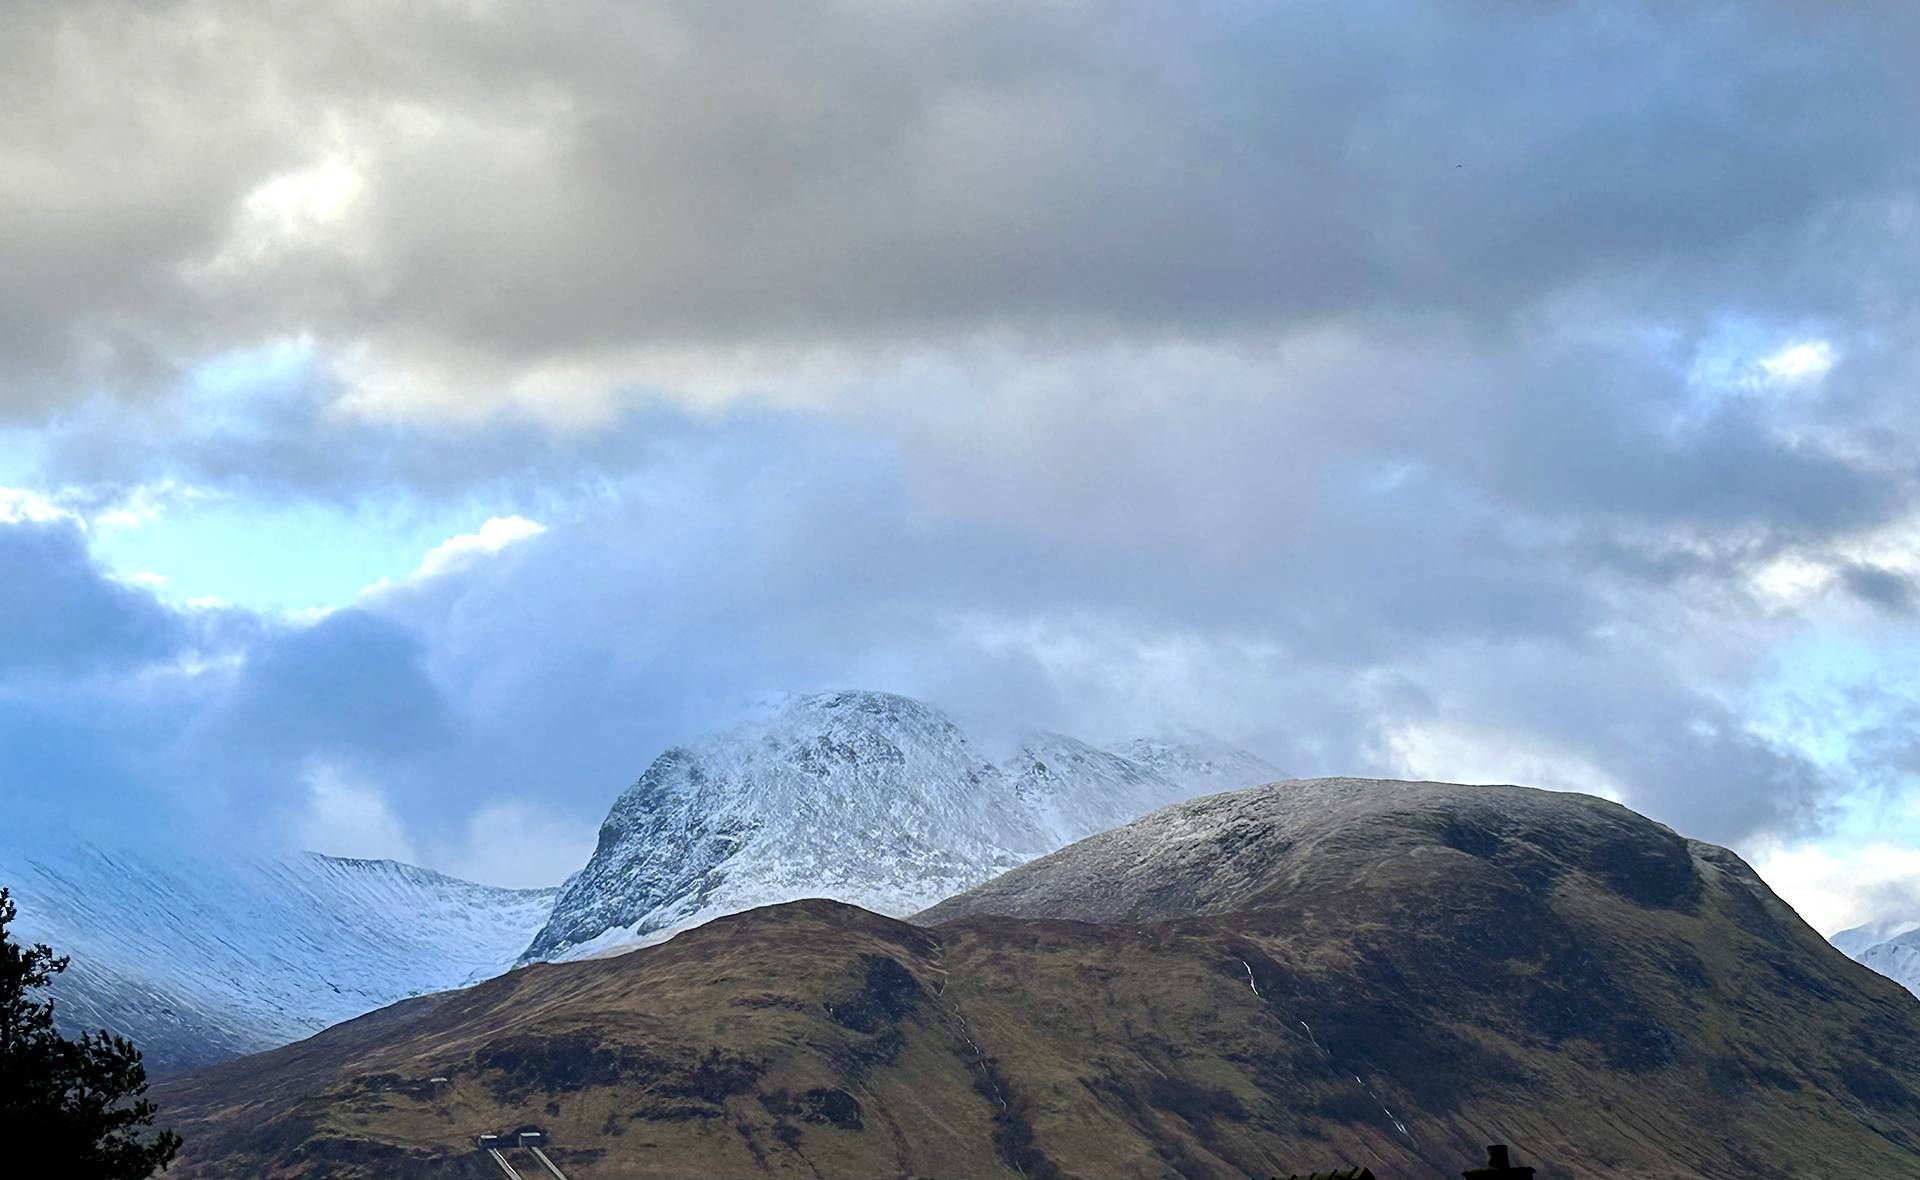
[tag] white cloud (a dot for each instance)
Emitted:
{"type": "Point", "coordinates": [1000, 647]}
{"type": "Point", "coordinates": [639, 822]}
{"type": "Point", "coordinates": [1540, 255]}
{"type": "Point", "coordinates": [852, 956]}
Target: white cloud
{"type": "Point", "coordinates": [1452, 754]}
{"type": "Point", "coordinates": [456, 553]}
{"type": "Point", "coordinates": [301, 209]}
{"type": "Point", "coordinates": [145, 503]}
{"type": "Point", "coordinates": [133, 507]}
{"type": "Point", "coordinates": [26, 506]}
{"type": "Point", "coordinates": [1805, 360]}
{"type": "Point", "coordinates": [520, 844]}
{"type": "Point", "coordinates": [1836, 888]}
{"type": "Point", "coordinates": [1790, 579]}
{"type": "Point", "coordinates": [343, 817]}
{"type": "Point", "coordinates": [460, 552]}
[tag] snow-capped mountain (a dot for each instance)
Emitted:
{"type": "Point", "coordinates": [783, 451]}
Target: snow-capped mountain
{"type": "Point", "coordinates": [865, 797]}
{"type": "Point", "coordinates": [1891, 947]}
{"type": "Point", "coordinates": [201, 960]}
{"type": "Point", "coordinates": [872, 799]}
{"type": "Point", "coordinates": [1072, 789]}
{"type": "Point", "coordinates": [1200, 765]}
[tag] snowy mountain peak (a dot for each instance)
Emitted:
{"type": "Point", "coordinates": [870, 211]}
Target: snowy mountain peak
{"type": "Point", "coordinates": [866, 797]}
{"type": "Point", "coordinates": [863, 796]}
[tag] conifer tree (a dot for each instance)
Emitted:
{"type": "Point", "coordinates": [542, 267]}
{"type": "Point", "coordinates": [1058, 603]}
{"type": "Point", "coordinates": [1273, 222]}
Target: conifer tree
{"type": "Point", "coordinates": [80, 1104]}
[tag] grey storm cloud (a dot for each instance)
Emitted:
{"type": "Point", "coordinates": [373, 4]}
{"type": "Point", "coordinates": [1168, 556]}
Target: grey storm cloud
{"type": "Point", "coordinates": [1890, 590]}
{"type": "Point", "coordinates": [59, 615]}
{"type": "Point", "coordinates": [531, 188]}
{"type": "Point", "coordinates": [351, 685]}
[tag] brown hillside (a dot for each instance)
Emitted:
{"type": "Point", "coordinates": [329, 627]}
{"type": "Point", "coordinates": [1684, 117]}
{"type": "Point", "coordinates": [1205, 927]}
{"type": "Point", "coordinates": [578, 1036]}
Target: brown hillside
{"type": "Point", "coordinates": [1298, 977]}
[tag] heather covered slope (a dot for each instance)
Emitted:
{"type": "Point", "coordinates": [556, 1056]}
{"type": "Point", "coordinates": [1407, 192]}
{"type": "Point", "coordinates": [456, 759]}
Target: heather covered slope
{"type": "Point", "coordinates": [1352, 840]}
{"type": "Point", "coordinates": [1272, 981]}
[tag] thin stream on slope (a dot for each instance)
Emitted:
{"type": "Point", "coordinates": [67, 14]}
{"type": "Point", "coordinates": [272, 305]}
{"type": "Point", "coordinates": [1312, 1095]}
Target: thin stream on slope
{"type": "Point", "coordinates": [979, 1057]}
{"type": "Point", "coordinates": [1399, 1126]}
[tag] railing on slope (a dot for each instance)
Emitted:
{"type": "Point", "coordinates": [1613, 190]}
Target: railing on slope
{"type": "Point", "coordinates": [504, 1165]}
{"type": "Point", "coordinates": [529, 1141]}
{"type": "Point", "coordinates": [548, 1164]}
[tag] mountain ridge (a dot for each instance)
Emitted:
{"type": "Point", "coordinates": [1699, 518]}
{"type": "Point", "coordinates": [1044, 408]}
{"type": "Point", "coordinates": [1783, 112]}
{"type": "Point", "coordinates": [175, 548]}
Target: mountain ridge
{"type": "Point", "coordinates": [1282, 979]}
{"type": "Point", "coordinates": [202, 958]}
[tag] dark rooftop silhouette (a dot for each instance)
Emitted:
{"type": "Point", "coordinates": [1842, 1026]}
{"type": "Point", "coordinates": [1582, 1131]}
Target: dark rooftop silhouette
{"type": "Point", "coordinates": [1499, 1167]}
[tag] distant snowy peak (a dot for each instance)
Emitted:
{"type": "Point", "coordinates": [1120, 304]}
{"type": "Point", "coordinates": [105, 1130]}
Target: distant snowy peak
{"type": "Point", "coordinates": [1890, 947]}
{"type": "Point", "coordinates": [865, 797]}
{"type": "Point", "coordinates": [199, 959]}
{"type": "Point", "coordinates": [1858, 940]}
{"type": "Point", "coordinates": [1073, 789]}
{"type": "Point", "coordinates": [1201, 765]}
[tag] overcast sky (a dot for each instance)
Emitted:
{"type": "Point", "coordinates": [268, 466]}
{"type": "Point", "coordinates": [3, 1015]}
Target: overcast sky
{"type": "Point", "coordinates": [414, 416]}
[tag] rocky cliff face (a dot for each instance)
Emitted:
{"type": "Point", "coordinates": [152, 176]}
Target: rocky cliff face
{"type": "Point", "coordinates": [1280, 980]}
{"type": "Point", "coordinates": [864, 797]}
